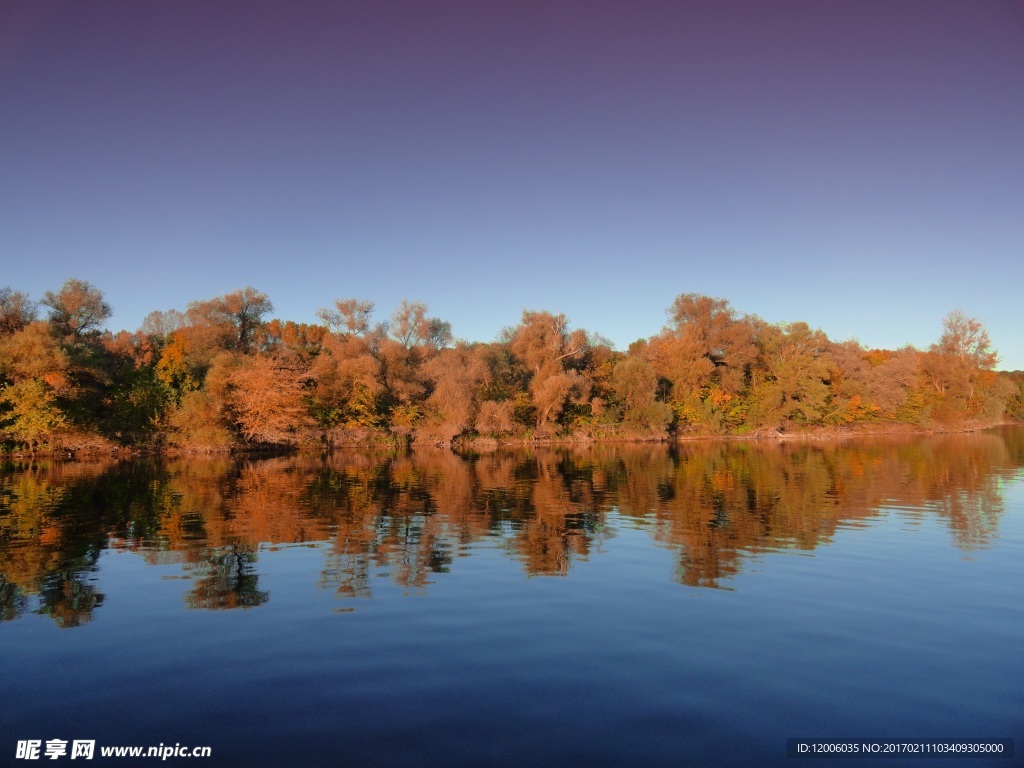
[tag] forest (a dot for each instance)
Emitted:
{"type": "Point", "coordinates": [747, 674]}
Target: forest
{"type": "Point", "coordinates": [225, 375]}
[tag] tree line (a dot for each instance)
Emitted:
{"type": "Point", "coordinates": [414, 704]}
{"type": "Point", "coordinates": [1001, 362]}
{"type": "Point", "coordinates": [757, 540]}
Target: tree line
{"type": "Point", "coordinates": [224, 374]}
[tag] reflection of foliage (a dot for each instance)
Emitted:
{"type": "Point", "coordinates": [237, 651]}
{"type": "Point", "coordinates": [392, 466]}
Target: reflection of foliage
{"type": "Point", "coordinates": [44, 548]}
{"type": "Point", "coordinates": [228, 580]}
{"type": "Point", "coordinates": [13, 602]}
{"type": "Point", "coordinates": [68, 600]}
{"type": "Point", "coordinates": [411, 516]}
{"type": "Point", "coordinates": [348, 573]}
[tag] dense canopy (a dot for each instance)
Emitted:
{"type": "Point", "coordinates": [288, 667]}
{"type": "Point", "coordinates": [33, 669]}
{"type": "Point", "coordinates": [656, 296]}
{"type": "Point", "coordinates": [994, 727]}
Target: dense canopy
{"type": "Point", "coordinates": [222, 375]}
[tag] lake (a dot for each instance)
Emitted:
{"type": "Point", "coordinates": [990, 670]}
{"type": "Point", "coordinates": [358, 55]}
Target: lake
{"type": "Point", "coordinates": [648, 605]}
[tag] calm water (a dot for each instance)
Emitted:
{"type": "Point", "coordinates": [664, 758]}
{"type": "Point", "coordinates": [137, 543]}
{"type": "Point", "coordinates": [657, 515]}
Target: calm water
{"type": "Point", "coordinates": [606, 606]}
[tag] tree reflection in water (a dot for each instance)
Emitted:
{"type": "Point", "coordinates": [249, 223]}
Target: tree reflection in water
{"type": "Point", "coordinates": [412, 515]}
{"type": "Point", "coordinates": [227, 580]}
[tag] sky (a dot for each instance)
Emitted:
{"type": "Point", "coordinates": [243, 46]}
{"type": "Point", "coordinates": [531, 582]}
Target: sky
{"type": "Point", "coordinates": [856, 164]}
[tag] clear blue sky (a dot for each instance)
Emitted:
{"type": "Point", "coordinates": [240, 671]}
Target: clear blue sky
{"type": "Point", "coordinates": [857, 165]}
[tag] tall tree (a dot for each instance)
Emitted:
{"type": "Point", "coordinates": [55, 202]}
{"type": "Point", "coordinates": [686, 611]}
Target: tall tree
{"type": "Point", "coordinates": [410, 327]}
{"type": "Point", "coordinates": [543, 342]}
{"type": "Point", "coordinates": [409, 323]}
{"type": "Point", "coordinates": [77, 308]}
{"type": "Point", "coordinates": [451, 408]}
{"type": "Point", "coordinates": [237, 315]}
{"type": "Point", "coordinates": [159, 324]}
{"type": "Point", "coordinates": [705, 353]}
{"type": "Point", "coordinates": [542, 338]}
{"type": "Point", "coordinates": [350, 317]}
{"type": "Point", "coordinates": [722, 340]}
{"type": "Point", "coordinates": [966, 340]}
{"type": "Point", "coordinates": [960, 369]}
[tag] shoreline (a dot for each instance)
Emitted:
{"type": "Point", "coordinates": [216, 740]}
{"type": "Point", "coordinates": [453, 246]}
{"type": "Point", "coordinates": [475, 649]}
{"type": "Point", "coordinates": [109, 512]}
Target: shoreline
{"type": "Point", "coordinates": [485, 444]}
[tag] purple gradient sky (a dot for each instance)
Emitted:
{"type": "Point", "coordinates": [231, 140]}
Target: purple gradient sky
{"type": "Point", "coordinates": [858, 165]}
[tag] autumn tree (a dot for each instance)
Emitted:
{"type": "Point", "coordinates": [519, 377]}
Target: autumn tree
{"type": "Point", "coordinates": [894, 384]}
{"type": "Point", "coordinates": [849, 379]}
{"type": "Point", "coordinates": [404, 385]}
{"type": "Point", "coordinates": [286, 338]}
{"type": "Point", "coordinates": [233, 317]}
{"type": "Point", "coordinates": [16, 311]}
{"type": "Point", "coordinates": [231, 322]}
{"type": "Point", "coordinates": [401, 347]}
{"type": "Point", "coordinates": [710, 343]}
{"type": "Point", "coordinates": [265, 400]}
{"type": "Point", "coordinates": [595, 365]}
{"type": "Point", "coordinates": [197, 423]}
{"type": "Point", "coordinates": [201, 420]}
{"type": "Point", "coordinates": [252, 399]}
{"type": "Point", "coordinates": [33, 353]}
{"type": "Point", "coordinates": [159, 325]}
{"type": "Point", "coordinates": [790, 376]}
{"type": "Point", "coordinates": [542, 338]}
{"type": "Point", "coordinates": [960, 369]}
{"type": "Point", "coordinates": [545, 345]}
{"type": "Point", "coordinates": [508, 374]}
{"type": "Point", "coordinates": [36, 378]}
{"type": "Point", "coordinates": [409, 323]}
{"type": "Point", "coordinates": [77, 308]}
{"type": "Point", "coordinates": [350, 317]}
{"type": "Point", "coordinates": [30, 413]}
{"type": "Point", "coordinates": [439, 333]}
{"type": "Point", "coordinates": [183, 362]}
{"type": "Point", "coordinates": [496, 418]}
{"type": "Point", "coordinates": [1015, 397]}
{"type": "Point", "coordinates": [636, 387]}
{"type": "Point", "coordinates": [965, 340]}
{"type": "Point", "coordinates": [871, 385]}
{"type": "Point", "coordinates": [553, 390]}
{"type": "Point", "coordinates": [410, 326]}
{"type": "Point", "coordinates": [705, 353]}
{"type": "Point", "coordinates": [451, 408]}
{"type": "Point", "coordinates": [347, 383]}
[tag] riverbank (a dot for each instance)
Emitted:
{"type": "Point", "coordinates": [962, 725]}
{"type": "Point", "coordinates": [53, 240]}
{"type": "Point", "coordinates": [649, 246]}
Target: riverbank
{"type": "Point", "coordinates": [98, 447]}
{"type": "Point", "coordinates": [768, 435]}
